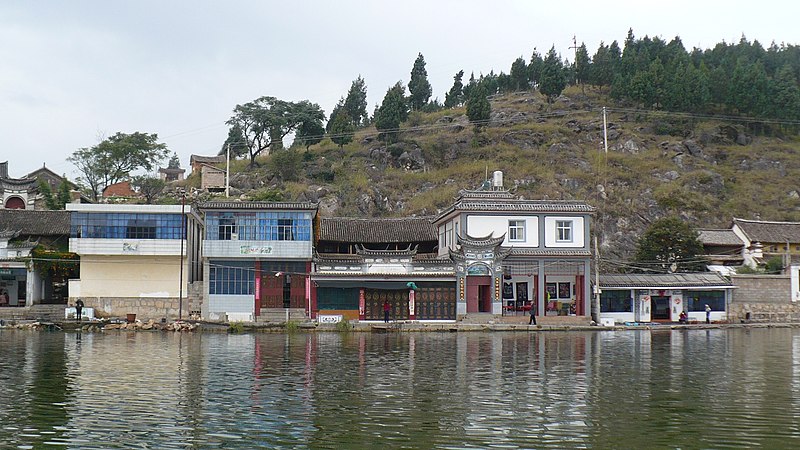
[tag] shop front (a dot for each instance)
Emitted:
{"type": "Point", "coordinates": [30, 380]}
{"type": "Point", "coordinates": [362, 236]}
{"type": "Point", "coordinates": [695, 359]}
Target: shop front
{"type": "Point", "coordinates": [663, 297]}
{"type": "Point", "coordinates": [13, 284]}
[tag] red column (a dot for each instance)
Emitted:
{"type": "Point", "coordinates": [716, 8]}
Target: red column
{"type": "Point", "coordinates": [312, 292]}
{"type": "Point", "coordinates": [361, 305]}
{"type": "Point", "coordinates": [257, 290]}
{"type": "Point", "coordinates": [580, 296]}
{"type": "Point", "coordinates": [411, 305]}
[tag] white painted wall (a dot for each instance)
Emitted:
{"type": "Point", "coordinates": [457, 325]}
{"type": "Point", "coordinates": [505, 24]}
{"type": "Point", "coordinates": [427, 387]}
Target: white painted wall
{"type": "Point", "coordinates": [231, 303]}
{"type": "Point", "coordinates": [131, 276]}
{"type": "Point", "coordinates": [277, 249]}
{"type": "Point", "coordinates": [551, 234]}
{"type": "Point", "coordinates": [126, 247]}
{"type": "Point", "coordinates": [480, 226]}
{"type": "Point", "coordinates": [619, 317]}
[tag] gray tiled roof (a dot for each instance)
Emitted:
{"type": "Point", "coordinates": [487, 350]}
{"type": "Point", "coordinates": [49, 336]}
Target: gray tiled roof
{"type": "Point", "coordinates": [377, 231]}
{"type": "Point", "coordinates": [664, 280]}
{"type": "Point", "coordinates": [207, 159]}
{"type": "Point", "coordinates": [551, 252]}
{"type": "Point", "coordinates": [283, 206]}
{"type": "Point", "coordinates": [516, 205]}
{"type": "Point", "coordinates": [719, 237]}
{"type": "Point", "coordinates": [765, 231]}
{"type": "Point", "coordinates": [35, 223]}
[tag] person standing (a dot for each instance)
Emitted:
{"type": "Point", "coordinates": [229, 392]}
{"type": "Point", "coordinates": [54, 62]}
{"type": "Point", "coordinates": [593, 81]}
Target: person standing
{"type": "Point", "coordinates": [78, 309]}
{"type": "Point", "coordinates": [533, 315]}
{"type": "Point", "coordinates": [386, 308]}
{"type": "Point", "coordinates": [708, 314]}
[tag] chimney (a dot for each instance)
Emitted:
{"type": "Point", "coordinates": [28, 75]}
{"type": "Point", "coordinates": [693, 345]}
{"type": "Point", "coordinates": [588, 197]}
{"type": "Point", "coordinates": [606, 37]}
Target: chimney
{"type": "Point", "coordinates": [4, 170]}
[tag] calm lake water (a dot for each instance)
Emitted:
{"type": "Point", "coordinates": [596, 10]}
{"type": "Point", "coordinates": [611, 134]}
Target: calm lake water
{"type": "Point", "coordinates": [623, 389]}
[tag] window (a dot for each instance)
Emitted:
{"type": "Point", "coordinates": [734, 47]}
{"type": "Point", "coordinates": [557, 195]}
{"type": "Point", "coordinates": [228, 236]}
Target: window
{"type": "Point", "coordinates": [126, 225]}
{"type": "Point", "coordinates": [227, 227]}
{"type": "Point", "coordinates": [258, 226]}
{"type": "Point", "coordinates": [616, 301]}
{"type": "Point", "coordinates": [231, 277]}
{"type": "Point", "coordinates": [697, 300]}
{"type": "Point", "coordinates": [516, 230]}
{"type": "Point", "coordinates": [140, 229]}
{"type": "Point", "coordinates": [564, 231]}
{"type": "Point", "coordinates": [285, 230]}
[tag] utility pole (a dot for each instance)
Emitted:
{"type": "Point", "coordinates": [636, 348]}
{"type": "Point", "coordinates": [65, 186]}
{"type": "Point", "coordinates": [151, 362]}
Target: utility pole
{"type": "Point", "coordinates": [575, 60]}
{"type": "Point", "coordinates": [605, 130]}
{"type": "Point", "coordinates": [228, 172]}
{"type": "Point", "coordinates": [183, 238]}
{"type": "Point", "coordinates": [596, 305]}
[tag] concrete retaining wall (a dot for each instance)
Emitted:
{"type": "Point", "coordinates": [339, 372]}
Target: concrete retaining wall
{"type": "Point", "coordinates": [145, 308]}
{"type": "Point", "coordinates": [766, 298]}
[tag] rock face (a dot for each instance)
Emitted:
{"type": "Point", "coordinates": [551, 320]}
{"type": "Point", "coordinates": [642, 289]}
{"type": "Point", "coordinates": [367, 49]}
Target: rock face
{"type": "Point", "coordinates": [705, 172]}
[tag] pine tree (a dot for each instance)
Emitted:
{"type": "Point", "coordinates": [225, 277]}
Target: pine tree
{"type": "Point", "coordinates": [582, 66]}
{"type": "Point", "coordinates": [392, 112]}
{"type": "Point", "coordinates": [535, 68]}
{"type": "Point", "coordinates": [341, 132]}
{"type": "Point", "coordinates": [553, 80]}
{"type": "Point", "coordinates": [419, 87]}
{"type": "Point", "coordinates": [784, 94]}
{"type": "Point", "coordinates": [519, 75]}
{"type": "Point", "coordinates": [64, 194]}
{"type": "Point", "coordinates": [174, 162]}
{"type": "Point", "coordinates": [478, 107]}
{"type": "Point", "coordinates": [355, 104]}
{"type": "Point", "coordinates": [455, 97]}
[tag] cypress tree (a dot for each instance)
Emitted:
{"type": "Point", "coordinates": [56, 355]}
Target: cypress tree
{"type": "Point", "coordinates": [478, 107]}
{"type": "Point", "coordinates": [553, 80]}
{"type": "Point", "coordinates": [419, 87]}
{"type": "Point", "coordinates": [455, 97]}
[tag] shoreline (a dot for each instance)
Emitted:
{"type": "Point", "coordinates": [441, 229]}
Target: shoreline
{"type": "Point", "coordinates": [366, 327]}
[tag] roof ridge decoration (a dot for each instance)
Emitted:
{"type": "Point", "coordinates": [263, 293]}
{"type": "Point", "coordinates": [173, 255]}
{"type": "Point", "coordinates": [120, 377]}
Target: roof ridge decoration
{"type": "Point", "coordinates": [486, 241]}
{"type": "Point", "coordinates": [8, 233]}
{"type": "Point", "coordinates": [362, 250]}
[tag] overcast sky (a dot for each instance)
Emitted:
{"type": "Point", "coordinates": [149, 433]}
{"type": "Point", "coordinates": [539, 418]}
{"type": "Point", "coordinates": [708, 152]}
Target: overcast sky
{"type": "Point", "coordinates": [74, 72]}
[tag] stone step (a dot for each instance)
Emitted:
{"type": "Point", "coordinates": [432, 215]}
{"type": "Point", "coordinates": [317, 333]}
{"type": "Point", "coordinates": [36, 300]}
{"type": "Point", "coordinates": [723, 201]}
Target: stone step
{"type": "Point", "coordinates": [48, 313]}
{"type": "Point", "coordinates": [278, 315]}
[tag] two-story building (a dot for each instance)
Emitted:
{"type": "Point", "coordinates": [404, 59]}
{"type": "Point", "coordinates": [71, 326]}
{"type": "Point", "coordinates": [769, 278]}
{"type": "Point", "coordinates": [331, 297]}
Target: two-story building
{"type": "Point", "coordinates": [256, 258]}
{"type": "Point", "coordinates": [513, 254]}
{"type": "Point", "coordinates": [362, 264]}
{"type": "Point", "coordinates": [135, 259]}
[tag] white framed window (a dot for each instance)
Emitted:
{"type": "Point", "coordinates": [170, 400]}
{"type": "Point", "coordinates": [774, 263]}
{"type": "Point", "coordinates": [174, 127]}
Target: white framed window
{"type": "Point", "coordinates": [563, 231]}
{"type": "Point", "coordinates": [516, 230]}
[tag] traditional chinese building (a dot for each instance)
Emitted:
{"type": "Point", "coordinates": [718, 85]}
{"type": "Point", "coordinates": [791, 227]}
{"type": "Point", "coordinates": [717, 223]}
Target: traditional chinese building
{"type": "Point", "coordinates": [514, 254]}
{"type": "Point", "coordinates": [361, 264]}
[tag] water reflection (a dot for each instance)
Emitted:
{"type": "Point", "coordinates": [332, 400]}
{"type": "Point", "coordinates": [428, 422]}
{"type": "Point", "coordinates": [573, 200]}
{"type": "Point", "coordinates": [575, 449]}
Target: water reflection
{"type": "Point", "coordinates": [680, 389]}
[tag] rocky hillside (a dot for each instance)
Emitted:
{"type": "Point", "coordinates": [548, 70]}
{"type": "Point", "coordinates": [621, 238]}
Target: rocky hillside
{"type": "Point", "coordinates": [704, 169]}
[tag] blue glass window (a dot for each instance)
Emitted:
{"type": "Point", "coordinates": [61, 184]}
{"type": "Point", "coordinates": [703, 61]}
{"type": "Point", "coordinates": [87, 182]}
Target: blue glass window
{"type": "Point", "coordinates": [125, 225]}
{"type": "Point", "coordinates": [231, 277]}
{"type": "Point", "coordinates": [258, 226]}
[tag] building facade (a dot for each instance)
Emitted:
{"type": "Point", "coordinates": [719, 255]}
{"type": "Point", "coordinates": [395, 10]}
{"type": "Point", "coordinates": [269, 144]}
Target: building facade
{"type": "Point", "coordinates": [360, 265]}
{"type": "Point", "coordinates": [135, 259]}
{"type": "Point", "coordinates": [256, 258]}
{"type": "Point", "coordinates": [512, 254]}
{"type": "Point", "coordinates": [24, 281]}
{"type": "Point", "coordinates": [662, 297]}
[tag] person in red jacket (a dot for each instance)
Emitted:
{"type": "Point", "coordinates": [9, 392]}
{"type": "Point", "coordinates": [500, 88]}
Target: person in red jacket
{"type": "Point", "coordinates": [386, 309]}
